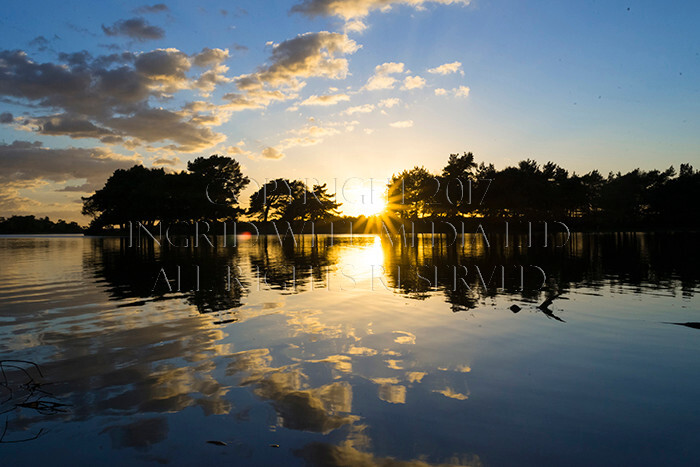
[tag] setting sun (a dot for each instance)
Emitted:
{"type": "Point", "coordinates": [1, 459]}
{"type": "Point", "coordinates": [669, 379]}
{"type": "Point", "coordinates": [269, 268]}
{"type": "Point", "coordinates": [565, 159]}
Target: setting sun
{"type": "Point", "coordinates": [371, 209]}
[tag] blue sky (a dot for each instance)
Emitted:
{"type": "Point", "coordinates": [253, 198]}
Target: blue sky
{"type": "Point", "coordinates": [590, 85]}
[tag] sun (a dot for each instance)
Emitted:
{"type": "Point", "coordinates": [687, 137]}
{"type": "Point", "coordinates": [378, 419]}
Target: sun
{"type": "Point", "coordinates": [362, 200]}
{"type": "Point", "coordinates": [366, 208]}
{"type": "Point", "coordinates": [371, 209]}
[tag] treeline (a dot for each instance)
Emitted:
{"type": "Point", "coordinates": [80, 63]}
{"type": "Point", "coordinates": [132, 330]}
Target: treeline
{"type": "Point", "coordinates": [210, 188]}
{"type": "Point", "coordinates": [208, 191]}
{"type": "Point", "coordinates": [530, 192]}
{"type": "Point", "coordinates": [32, 225]}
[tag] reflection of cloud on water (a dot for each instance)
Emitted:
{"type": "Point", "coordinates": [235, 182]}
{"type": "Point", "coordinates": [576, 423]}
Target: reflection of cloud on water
{"type": "Point", "coordinates": [415, 376]}
{"type": "Point", "coordinates": [347, 456]}
{"type": "Point", "coordinates": [449, 392]}
{"type": "Point", "coordinates": [394, 364]}
{"type": "Point", "coordinates": [394, 394]}
{"type": "Point", "coordinates": [405, 337]}
{"type": "Point", "coordinates": [361, 351]}
{"type": "Point", "coordinates": [321, 409]}
{"type": "Point", "coordinates": [341, 363]}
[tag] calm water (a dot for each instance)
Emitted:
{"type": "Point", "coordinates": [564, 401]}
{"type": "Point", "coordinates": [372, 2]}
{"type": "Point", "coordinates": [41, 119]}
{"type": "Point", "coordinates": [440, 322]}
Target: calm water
{"type": "Point", "coordinates": [349, 353]}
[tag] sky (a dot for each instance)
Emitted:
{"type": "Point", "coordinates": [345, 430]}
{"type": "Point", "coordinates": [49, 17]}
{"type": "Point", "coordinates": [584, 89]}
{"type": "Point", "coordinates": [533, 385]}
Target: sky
{"type": "Point", "coordinates": [343, 92]}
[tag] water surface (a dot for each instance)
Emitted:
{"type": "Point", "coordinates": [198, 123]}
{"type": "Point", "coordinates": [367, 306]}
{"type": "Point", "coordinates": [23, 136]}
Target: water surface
{"type": "Point", "coordinates": [347, 351]}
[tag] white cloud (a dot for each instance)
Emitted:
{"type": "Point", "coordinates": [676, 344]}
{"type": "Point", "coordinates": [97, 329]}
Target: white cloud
{"type": "Point", "coordinates": [402, 124]}
{"type": "Point", "coordinates": [462, 91]}
{"type": "Point", "coordinates": [271, 153]}
{"type": "Point", "coordinates": [366, 108]}
{"type": "Point", "coordinates": [327, 99]}
{"type": "Point", "coordinates": [355, 25]}
{"type": "Point", "coordinates": [390, 102]}
{"type": "Point", "coordinates": [447, 68]}
{"type": "Point", "coordinates": [413, 82]}
{"type": "Point", "coordinates": [381, 78]}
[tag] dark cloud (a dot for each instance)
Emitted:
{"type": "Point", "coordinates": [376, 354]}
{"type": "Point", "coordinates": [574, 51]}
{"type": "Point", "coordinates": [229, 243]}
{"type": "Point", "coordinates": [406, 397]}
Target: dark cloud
{"type": "Point", "coordinates": [208, 57]}
{"type": "Point", "coordinates": [157, 8]}
{"type": "Point", "coordinates": [69, 125]}
{"type": "Point", "coordinates": [358, 8]}
{"type": "Point", "coordinates": [76, 59]}
{"type": "Point", "coordinates": [153, 125]}
{"type": "Point", "coordinates": [306, 55]}
{"type": "Point", "coordinates": [81, 30]}
{"type": "Point", "coordinates": [168, 64]}
{"type": "Point", "coordinates": [84, 188]}
{"type": "Point", "coordinates": [30, 161]}
{"type": "Point", "coordinates": [40, 42]}
{"type": "Point", "coordinates": [6, 117]}
{"type": "Point", "coordinates": [135, 28]}
{"type": "Point", "coordinates": [107, 97]}
{"type": "Point", "coordinates": [166, 161]}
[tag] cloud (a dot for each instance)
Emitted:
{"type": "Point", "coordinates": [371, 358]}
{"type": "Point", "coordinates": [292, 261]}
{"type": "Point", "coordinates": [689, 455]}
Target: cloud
{"type": "Point", "coordinates": [6, 117]}
{"type": "Point", "coordinates": [353, 9]}
{"type": "Point", "coordinates": [389, 103]}
{"type": "Point", "coordinates": [237, 150]}
{"type": "Point", "coordinates": [40, 42]}
{"type": "Point", "coordinates": [31, 161]}
{"type": "Point", "coordinates": [447, 68]}
{"type": "Point", "coordinates": [366, 108]}
{"type": "Point", "coordinates": [135, 28]}
{"type": "Point", "coordinates": [355, 25]}
{"type": "Point", "coordinates": [311, 134]}
{"type": "Point", "coordinates": [461, 91]}
{"type": "Point", "coordinates": [307, 55]}
{"type": "Point", "coordinates": [208, 57]}
{"type": "Point", "coordinates": [402, 124]}
{"type": "Point", "coordinates": [166, 161]}
{"type": "Point", "coordinates": [107, 97]}
{"type": "Point", "coordinates": [66, 124]}
{"type": "Point", "coordinates": [271, 153]}
{"type": "Point", "coordinates": [166, 67]}
{"type": "Point", "coordinates": [157, 8]}
{"type": "Point", "coordinates": [381, 78]}
{"type": "Point", "coordinates": [154, 125]}
{"type": "Point", "coordinates": [84, 188]}
{"type": "Point", "coordinates": [327, 99]}
{"type": "Point", "coordinates": [413, 82]}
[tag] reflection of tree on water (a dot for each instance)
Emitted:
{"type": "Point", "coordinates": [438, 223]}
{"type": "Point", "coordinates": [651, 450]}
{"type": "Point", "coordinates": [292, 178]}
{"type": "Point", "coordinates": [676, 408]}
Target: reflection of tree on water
{"type": "Point", "coordinates": [291, 265]}
{"type": "Point", "coordinates": [618, 260]}
{"type": "Point", "coordinates": [468, 272]}
{"type": "Point", "coordinates": [141, 272]}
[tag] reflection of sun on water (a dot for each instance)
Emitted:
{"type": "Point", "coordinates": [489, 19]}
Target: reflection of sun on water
{"type": "Point", "coordinates": [359, 259]}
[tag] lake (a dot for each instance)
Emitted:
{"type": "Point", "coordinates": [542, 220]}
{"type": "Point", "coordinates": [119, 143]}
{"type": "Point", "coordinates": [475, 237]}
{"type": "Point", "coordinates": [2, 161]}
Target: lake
{"type": "Point", "coordinates": [351, 351]}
